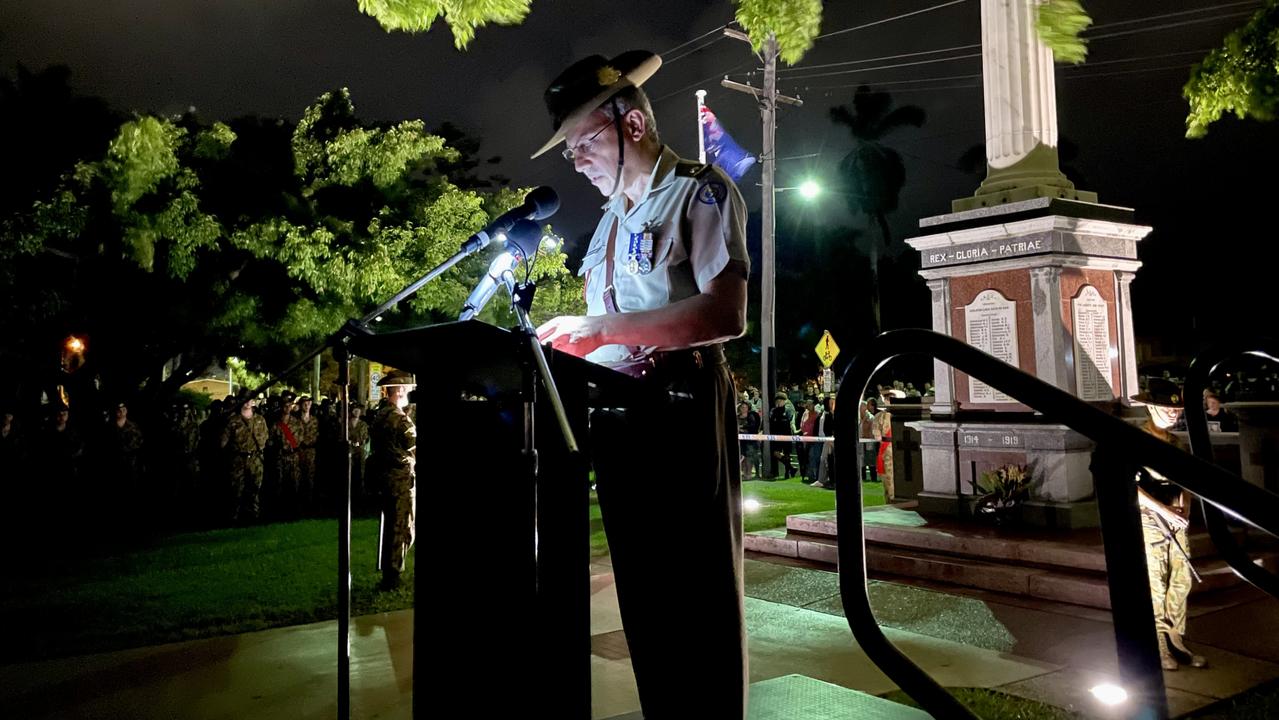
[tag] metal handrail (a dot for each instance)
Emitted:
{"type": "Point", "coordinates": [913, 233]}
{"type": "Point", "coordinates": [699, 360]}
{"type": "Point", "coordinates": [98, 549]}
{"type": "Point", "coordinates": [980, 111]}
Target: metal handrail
{"type": "Point", "coordinates": [1196, 416]}
{"type": "Point", "coordinates": [1121, 448]}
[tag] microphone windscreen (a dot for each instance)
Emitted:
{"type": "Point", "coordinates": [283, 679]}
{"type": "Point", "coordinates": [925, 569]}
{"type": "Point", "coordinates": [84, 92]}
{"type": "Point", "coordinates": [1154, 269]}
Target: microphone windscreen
{"type": "Point", "coordinates": [545, 200]}
{"type": "Point", "coordinates": [523, 238]}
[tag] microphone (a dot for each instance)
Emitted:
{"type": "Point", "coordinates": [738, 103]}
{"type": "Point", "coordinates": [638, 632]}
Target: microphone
{"type": "Point", "coordinates": [539, 204]}
{"type": "Point", "coordinates": [521, 242]}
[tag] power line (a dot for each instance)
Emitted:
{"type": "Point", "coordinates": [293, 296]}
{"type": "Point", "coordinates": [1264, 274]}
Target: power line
{"type": "Point", "coordinates": [886, 67]}
{"type": "Point", "coordinates": [879, 59]}
{"type": "Point", "coordinates": [894, 82]}
{"type": "Point", "coordinates": [1167, 26]}
{"type": "Point", "coordinates": [694, 51]}
{"type": "Point", "coordinates": [690, 42]}
{"type": "Point", "coordinates": [1091, 64]}
{"type": "Point", "coordinates": [1196, 11]}
{"type": "Point", "coordinates": [872, 83]}
{"type": "Point", "coordinates": [1125, 72]}
{"type": "Point", "coordinates": [889, 19]}
{"type": "Point", "coordinates": [694, 84]}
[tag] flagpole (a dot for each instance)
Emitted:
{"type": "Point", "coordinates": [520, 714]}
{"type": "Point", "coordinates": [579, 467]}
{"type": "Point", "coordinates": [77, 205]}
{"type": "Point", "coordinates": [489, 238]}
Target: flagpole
{"type": "Point", "coordinates": [701, 134]}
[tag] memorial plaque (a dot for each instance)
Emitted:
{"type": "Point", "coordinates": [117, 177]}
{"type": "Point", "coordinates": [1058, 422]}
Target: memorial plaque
{"type": "Point", "coordinates": [991, 326]}
{"type": "Point", "coordinates": [1091, 320]}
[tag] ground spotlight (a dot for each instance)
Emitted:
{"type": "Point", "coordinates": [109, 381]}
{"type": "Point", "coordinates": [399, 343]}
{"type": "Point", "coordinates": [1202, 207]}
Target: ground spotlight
{"type": "Point", "coordinates": [1109, 693]}
{"type": "Point", "coordinates": [751, 505]}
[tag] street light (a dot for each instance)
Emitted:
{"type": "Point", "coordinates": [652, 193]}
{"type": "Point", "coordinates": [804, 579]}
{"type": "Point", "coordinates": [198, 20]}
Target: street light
{"type": "Point", "coordinates": [808, 189]}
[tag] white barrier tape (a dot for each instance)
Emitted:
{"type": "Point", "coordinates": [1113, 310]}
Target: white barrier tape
{"type": "Point", "coordinates": [795, 438]}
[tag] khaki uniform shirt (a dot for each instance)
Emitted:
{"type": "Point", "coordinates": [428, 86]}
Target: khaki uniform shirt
{"type": "Point", "coordinates": [689, 223]}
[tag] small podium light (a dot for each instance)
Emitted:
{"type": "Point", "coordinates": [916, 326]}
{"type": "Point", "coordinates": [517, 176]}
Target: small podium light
{"type": "Point", "coordinates": [751, 505]}
{"type": "Point", "coordinates": [1109, 694]}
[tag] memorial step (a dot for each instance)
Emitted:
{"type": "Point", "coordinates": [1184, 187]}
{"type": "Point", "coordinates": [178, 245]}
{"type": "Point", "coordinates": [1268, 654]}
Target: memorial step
{"type": "Point", "coordinates": [1070, 568]}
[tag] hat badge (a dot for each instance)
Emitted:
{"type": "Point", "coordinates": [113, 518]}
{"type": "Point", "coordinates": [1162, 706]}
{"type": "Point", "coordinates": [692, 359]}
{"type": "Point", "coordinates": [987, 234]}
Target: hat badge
{"type": "Point", "coordinates": [607, 75]}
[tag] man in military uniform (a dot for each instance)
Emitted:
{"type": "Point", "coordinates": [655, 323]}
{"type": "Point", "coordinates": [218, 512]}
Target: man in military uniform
{"type": "Point", "coordinates": [243, 438]}
{"type": "Point", "coordinates": [123, 445]}
{"type": "Point", "coordinates": [1164, 518]}
{"type": "Point", "coordinates": [359, 437]}
{"type": "Point", "coordinates": [309, 437]}
{"type": "Point", "coordinates": [665, 284]}
{"type": "Point", "coordinates": [391, 473]}
{"type": "Point", "coordinates": [286, 439]}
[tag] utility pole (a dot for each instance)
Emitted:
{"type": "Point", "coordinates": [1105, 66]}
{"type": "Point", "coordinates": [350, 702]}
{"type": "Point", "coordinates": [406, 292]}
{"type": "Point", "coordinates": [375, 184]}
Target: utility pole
{"type": "Point", "coordinates": [768, 99]}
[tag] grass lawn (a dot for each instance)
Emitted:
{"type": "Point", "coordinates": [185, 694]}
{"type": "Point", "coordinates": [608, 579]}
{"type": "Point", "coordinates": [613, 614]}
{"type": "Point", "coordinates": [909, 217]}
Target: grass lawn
{"type": "Point", "coordinates": [190, 586]}
{"type": "Point", "coordinates": [777, 499]}
{"type": "Point", "coordinates": [219, 582]}
{"type": "Point", "coordinates": [1259, 703]}
{"type": "Point", "coordinates": [994, 705]}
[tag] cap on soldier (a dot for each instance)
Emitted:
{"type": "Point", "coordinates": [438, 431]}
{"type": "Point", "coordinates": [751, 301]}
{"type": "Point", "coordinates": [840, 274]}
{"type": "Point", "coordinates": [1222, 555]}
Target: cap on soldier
{"type": "Point", "coordinates": [395, 378]}
{"type": "Point", "coordinates": [1160, 392]}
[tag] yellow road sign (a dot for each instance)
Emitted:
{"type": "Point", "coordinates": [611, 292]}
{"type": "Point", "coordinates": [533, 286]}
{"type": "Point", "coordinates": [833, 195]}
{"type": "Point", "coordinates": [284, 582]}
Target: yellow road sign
{"type": "Point", "coordinates": [827, 350]}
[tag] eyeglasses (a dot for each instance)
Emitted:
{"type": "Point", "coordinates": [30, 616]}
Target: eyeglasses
{"type": "Point", "coordinates": [570, 153]}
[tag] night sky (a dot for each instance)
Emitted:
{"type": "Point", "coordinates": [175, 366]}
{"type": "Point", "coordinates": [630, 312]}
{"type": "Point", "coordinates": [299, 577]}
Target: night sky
{"type": "Point", "coordinates": [1208, 262]}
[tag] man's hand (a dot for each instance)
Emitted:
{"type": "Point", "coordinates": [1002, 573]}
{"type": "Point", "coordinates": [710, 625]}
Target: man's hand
{"type": "Point", "coordinates": [574, 334]}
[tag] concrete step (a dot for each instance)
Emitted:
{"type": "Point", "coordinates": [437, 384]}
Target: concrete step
{"type": "Point", "coordinates": [1086, 587]}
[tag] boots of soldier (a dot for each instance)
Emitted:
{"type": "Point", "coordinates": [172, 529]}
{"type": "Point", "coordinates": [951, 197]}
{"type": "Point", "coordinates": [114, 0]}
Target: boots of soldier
{"type": "Point", "coordinates": [1177, 646]}
{"type": "Point", "coordinates": [1166, 659]}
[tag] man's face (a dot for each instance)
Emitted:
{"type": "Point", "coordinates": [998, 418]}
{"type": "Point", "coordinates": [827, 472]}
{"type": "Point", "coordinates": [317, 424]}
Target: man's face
{"type": "Point", "coordinates": [121, 412]}
{"type": "Point", "coordinates": [1213, 404]}
{"type": "Point", "coordinates": [246, 410]}
{"type": "Point", "coordinates": [63, 416]}
{"type": "Point", "coordinates": [1164, 416]}
{"type": "Point", "coordinates": [399, 395]}
{"type": "Point", "coordinates": [594, 144]}
{"type": "Point", "coordinates": [306, 407]}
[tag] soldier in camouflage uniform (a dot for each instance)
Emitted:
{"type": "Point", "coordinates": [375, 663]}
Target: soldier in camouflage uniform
{"type": "Point", "coordinates": [1164, 519]}
{"type": "Point", "coordinates": [359, 439]}
{"type": "Point", "coordinates": [391, 473]}
{"type": "Point", "coordinates": [309, 437]}
{"type": "Point", "coordinates": [123, 446]}
{"type": "Point", "coordinates": [243, 439]}
{"type": "Point", "coordinates": [286, 439]}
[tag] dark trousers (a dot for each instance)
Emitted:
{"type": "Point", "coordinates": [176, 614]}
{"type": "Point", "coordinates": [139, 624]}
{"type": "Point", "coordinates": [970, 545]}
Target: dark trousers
{"type": "Point", "coordinates": [677, 561]}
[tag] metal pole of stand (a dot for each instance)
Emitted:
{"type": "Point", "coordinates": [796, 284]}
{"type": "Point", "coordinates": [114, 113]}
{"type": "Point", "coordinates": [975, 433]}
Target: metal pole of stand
{"type": "Point", "coordinates": [1129, 583]}
{"type": "Point", "coordinates": [344, 537]}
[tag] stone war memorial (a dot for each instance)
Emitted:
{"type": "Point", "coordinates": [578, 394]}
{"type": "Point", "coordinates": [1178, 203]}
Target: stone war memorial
{"type": "Point", "coordinates": [1035, 272]}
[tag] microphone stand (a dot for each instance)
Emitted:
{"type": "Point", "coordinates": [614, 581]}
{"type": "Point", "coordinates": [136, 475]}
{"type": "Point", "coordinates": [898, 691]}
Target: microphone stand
{"type": "Point", "coordinates": [521, 301]}
{"type": "Point", "coordinates": [339, 342]}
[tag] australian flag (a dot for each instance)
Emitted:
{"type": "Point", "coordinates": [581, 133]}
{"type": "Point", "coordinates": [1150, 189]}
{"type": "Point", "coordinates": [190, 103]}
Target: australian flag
{"type": "Point", "coordinates": [722, 150]}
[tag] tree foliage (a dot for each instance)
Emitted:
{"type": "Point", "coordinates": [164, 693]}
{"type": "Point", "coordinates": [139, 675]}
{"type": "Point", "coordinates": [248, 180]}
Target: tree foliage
{"type": "Point", "coordinates": [1240, 77]}
{"type": "Point", "coordinates": [1059, 23]}
{"type": "Point", "coordinates": [463, 17]}
{"type": "Point", "coordinates": [252, 238]}
{"type": "Point", "coordinates": [796, 23]}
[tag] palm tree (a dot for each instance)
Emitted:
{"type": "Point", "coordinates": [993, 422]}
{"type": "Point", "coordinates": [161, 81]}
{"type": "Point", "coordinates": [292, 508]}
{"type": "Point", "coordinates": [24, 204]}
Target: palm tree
{"type": "Point", "coordinates": [873, 173]}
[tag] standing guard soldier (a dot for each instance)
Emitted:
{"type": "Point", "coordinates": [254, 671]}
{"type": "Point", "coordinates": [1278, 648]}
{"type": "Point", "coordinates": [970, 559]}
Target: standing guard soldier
{"type": "Point", "coordinates": [359, 439]}
{"type": "Point", "coordinates": [1165, 513]}
{"type": "Point", "coordinates": [286, 438]}
{"type": "Point", "coordinates": [309, 437]}
{"type": "Point", "coordinates": [244, 438]}
{"type": "Point", "coordinates": [391, 474]}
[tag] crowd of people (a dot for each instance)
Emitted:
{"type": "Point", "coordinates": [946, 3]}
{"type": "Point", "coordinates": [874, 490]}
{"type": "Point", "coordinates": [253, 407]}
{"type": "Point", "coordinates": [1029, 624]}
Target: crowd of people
{"type": "Point", "coordinates": [804, 411]}
{"type": "Point", "coordinates": [233, 462]}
